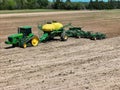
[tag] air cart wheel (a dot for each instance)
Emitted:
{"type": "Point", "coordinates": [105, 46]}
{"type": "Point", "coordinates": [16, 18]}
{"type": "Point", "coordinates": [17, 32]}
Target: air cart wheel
{"type": "Point", "coordinates": [94, 38]}
{"type": "Point", "coordinates": [24, 45]}
{"type": "Point", "coordinates": [78, 36]}
{"type": "Point", "coordinates": [34, 41]}
{"type": "Point", "coordinates": [64, 36]}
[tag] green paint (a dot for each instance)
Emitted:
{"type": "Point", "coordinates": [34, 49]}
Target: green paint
{"type": "Point", "coordinates": [78, 32]}
{"type": "Point", "coordinates": [23, 36]}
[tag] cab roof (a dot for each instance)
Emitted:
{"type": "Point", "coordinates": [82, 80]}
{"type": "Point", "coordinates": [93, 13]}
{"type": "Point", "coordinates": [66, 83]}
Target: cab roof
{"type": "Point", "coordinates": [25, 27]}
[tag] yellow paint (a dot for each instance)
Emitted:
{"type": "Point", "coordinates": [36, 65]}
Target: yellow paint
{"type": "Point", "coordinates": [52, 26]}
{"type": "Point", "coordinates": [57, 25]}
{"type": "Point", "coordinates": [24, 45]}
{"type": "Point", "coordinates": [35, 41]}
{"type": "Point", "coordinates": [48, 27]}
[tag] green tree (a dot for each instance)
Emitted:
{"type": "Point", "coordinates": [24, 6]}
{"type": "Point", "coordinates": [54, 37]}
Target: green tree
{"type": "Point", "coordinates": [68, 5]}
{"type": "Point", "coordinates": [102, 5]}
{"type": "Point", "coordinates": [68, 0]}
{"type": "Point", "coordinates": [118, 4]}
{"type": "Point", "coordinates": [58, 1]}
{"type": "Point", "coordinates": [90, 6]}
{"type": "Point", "coordinates": [3, 4]}
{"type": "Point", "coordinates": [31, 4]}
{"type": "Point", "coordinates": [58, 4]}
{"type": "Point", "coordinates": [11, 4]}
{"type": "Point", "coordinates": [78, 6]}
{"type": "Point", "coordinates": [42, 3]}
{"type": "Point", "coordinates": [21, 4]}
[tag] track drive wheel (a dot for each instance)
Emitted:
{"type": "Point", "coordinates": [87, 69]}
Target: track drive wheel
{"type": "Point", "coordinates": [35, 41]}
{"type": "Point", "coordinates": [24, 45]}
{"type": "Point", "coordinates": [64, 36]}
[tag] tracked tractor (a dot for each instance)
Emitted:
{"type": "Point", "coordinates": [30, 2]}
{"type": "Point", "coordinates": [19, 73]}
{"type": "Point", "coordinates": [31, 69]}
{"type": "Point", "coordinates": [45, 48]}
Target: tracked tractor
{"type": "Point", "coordinates": [23, 38]}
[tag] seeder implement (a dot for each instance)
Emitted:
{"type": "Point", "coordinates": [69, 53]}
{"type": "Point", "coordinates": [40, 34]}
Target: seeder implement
{"type": "Point", "coordinates": [51, 30]}
{"type": "Point", "coordinates": [79, 33]}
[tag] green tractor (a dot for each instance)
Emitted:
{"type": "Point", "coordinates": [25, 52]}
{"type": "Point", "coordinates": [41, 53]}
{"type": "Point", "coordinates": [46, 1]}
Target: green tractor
{"type": "Point", "coordinates": [23, 38]}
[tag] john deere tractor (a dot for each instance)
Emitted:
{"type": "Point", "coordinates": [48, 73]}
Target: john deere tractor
{"type": "Point", "coordinates": [23, 38]}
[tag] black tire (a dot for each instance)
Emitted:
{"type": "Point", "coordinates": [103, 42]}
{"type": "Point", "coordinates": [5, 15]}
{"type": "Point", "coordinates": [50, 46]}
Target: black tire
{"type": "Point", "coordinates": [13, 45]}
{"type": "Point", "coordinates": [93, 38]}
{"type": "Point", "coordinates": [78, 36]}
{"type": "Point", "coordinates": [64, 36]}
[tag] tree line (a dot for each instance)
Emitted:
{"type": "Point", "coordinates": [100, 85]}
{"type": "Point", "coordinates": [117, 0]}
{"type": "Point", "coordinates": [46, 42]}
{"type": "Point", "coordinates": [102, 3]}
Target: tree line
{"type": "Point", "coordinates": [58, 4]}
{"type": "Point", "coordinates": [22, 4]}
{"type": "Point", "coordinates": [111, 4]}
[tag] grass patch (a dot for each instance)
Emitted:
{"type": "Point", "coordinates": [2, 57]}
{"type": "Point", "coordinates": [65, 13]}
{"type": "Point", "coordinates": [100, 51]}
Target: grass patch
{"type": "Point", "coordinates": [28, 11]}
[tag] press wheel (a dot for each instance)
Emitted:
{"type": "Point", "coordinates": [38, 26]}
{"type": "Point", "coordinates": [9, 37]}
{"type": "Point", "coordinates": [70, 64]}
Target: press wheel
{"type": "Point", "coordinates": [64, 36]}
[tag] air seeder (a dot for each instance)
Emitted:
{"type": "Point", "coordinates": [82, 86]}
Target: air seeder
{"type": "Point", "coordinates": [25, 37]}
{"type": "Point", "coordinates": [51, 30]}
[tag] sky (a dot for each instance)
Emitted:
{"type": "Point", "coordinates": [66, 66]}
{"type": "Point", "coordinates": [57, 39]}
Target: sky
{"type": "Point", "coordinates": [79, 0]}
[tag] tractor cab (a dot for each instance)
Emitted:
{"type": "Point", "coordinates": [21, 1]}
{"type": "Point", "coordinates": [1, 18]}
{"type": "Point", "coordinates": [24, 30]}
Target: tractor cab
{"type": "Point", "coordinates": [25, 30]}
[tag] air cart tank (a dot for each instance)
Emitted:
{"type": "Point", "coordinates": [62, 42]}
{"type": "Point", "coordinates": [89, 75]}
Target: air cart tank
{"type": "Point", "coordinates": [48, 27]}
{"type": "Point", "coordinates": [52, 26]}
{"type": "Point", "coordinates": [57, 25]}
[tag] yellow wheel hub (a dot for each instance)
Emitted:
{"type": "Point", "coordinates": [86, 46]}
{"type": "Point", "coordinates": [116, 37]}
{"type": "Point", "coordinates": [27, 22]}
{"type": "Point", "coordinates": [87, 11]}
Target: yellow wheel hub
{"type": "Point", "coordinates": [35, 41]}
{"type": "Point", "coordinates": [24, 45]}
{"type": "Point", "coordinates": [65, 37]}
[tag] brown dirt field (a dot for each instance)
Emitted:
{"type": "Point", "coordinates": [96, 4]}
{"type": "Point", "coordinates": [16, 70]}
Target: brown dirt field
{"type": "Point", "coordinates": [77, 64]}
{"type": "Point", "coordinates": [103, 21]}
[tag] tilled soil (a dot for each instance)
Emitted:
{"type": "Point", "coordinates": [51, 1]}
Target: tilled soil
{"type": "Point", "coordinates": [77, 64]}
